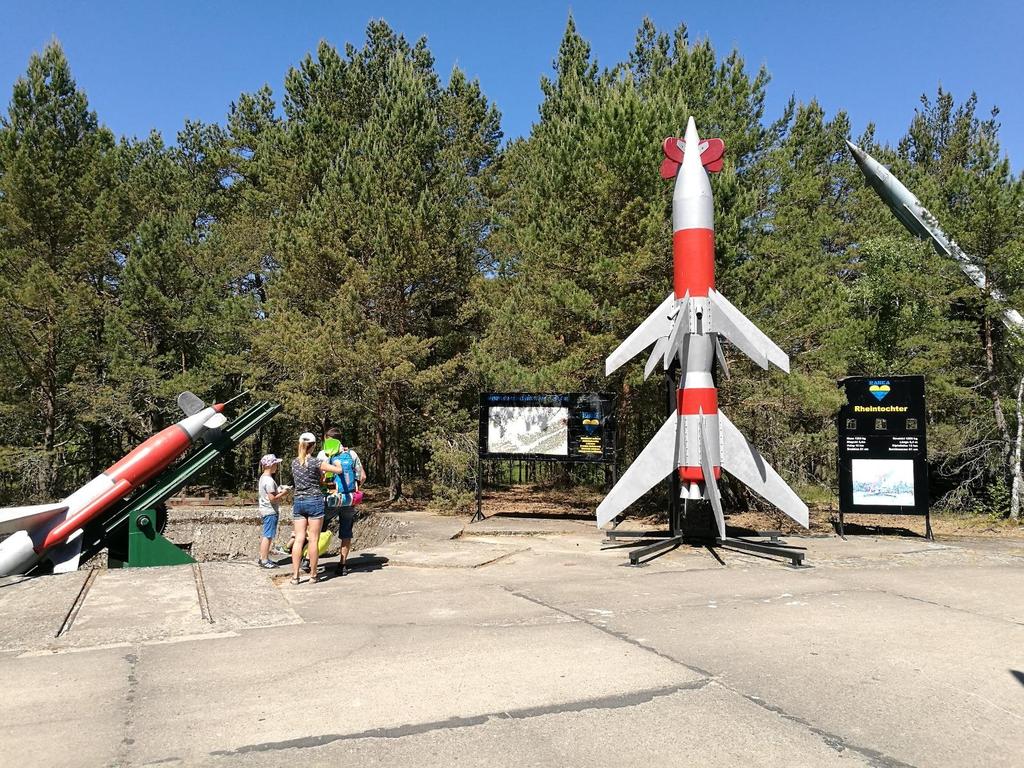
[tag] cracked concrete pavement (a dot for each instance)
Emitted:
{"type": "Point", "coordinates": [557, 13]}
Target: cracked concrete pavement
{"type": "Point", "coordinates": [519, 642]}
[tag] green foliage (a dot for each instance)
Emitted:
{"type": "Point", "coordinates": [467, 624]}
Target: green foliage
{"type": "Point", "coordinates": [360, 249]}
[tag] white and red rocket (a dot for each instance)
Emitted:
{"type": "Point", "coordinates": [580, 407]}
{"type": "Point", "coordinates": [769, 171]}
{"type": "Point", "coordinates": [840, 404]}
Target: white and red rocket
{"type": "Point", "coordinates": [54, 531]}
{"type": "Point", "coordinates": [698, 440]}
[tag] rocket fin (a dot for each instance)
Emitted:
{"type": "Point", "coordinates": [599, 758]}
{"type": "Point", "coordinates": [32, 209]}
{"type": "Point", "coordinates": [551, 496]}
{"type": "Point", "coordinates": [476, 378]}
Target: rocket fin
{"type": "Point", "coordinates": [650, 467]}
{"type": "Point", "coordinates": [658, 324]}
{"type": "Point", "coordinates": [656, 355]}
{"type": "Point", "coordinates": [22, 518]}
{"type": "Point", "coordinates": [741, 460]}
{"type": "Point", "coordinates": [680, 332]}
{"type": "Point", "coordinates": [65, 556]}
{"type": "Point", "coordinates": [190, 404]}
{"type": "Point", "coordinates": [708, 470]}
{"type": "Point", "coordinates": [216, 421]}
{"type": "Point", "coordinates": [720, 355]}
{"type": "Point", "coordinates": [734, 325]}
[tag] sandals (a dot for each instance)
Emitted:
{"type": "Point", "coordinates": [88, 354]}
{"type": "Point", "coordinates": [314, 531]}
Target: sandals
{"type": "Point", "coordinates": [293, 580]}
{"type": "Point", "coordinates": [314, 579]}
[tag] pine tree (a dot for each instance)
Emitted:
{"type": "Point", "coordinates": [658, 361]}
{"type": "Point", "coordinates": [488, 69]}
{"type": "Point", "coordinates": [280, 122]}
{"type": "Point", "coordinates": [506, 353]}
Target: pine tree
{"type": "Point", "coordinates": [58, 262]}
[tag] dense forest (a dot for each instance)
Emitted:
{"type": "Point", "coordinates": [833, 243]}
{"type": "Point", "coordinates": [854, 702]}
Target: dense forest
{"type": "Point", "coordinates": [362, 247]}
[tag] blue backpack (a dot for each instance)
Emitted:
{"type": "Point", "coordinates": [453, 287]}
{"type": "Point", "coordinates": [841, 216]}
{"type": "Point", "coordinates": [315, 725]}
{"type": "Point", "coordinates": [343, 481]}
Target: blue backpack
{"type": "Point", "coordinates": [345, 478]}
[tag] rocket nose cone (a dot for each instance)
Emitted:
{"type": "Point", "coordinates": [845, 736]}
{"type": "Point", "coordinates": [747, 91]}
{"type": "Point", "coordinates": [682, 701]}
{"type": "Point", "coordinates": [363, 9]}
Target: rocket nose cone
{"type": "Point", "coordinates": [858, 154]}
{"type": "Point", "coordinates": [219, 407]}
{"type": "Point", "coordinates": [691, 136]}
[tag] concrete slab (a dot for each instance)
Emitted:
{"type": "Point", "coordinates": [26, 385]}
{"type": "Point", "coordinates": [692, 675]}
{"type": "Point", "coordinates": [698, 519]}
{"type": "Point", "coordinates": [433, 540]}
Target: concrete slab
{"type": "Point", "coordinates": [354, 679]}
{"type": "Point", "coordinates": [434, 597]}
{"type": "Point", "coordinates": [32, 610]}
{"type": "Point", "coordinates": [885, 652]}
{"type": "Point", "coordinates": [460, 553]}
{"type": "Point", "coordinates": [241, 596]}
{"type": "Point", "coordinates": [916, 682]}
{"type": "Point", "coordinates": [66, 709]}
{"type": "Point", "coordinates": [709, 726]}
{"type": "Point", "coordinates": [136, 604]}
{"type": "Point", "coordinates": [958, 587]}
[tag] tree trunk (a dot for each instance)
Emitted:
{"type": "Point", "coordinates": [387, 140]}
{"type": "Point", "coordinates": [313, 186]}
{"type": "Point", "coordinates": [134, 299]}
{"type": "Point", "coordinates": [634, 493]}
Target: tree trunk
{"type": "Point", "coordinates": [392, 449]}
{"type": "Point", "coordinates": [50, 414]}
{"type": "Point", "coordinates": [1015, 495]}
{"type": "Point", "coordinates": [997, 406]}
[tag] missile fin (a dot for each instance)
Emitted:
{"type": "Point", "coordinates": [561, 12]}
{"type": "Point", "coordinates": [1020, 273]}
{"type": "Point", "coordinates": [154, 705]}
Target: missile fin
{"type": "Point", "coordinates": [734, 325]}
{"type": "Point", "coordinates": [654, 327]}
{"type": "Point", "coordinates": [216, 421]}
{"type": "Point", "coordinates": [708, 471]}
{"type": "Point", "coordinates": [646, 471]}
{"type": "Point", "coordinates": [742, 460]}
{"type": "Point", "coordinates": [190, 404]}
{"type": "Point", "coordinates": [22, 518]}
{"type": "Point", "coordinates": [656, 355]}
{"type": "Point", "coordinates": [720, 355]}
{"type": "Point", "coordinates": [65, 556]}
{"type": "Point", "coordinates": [680, 331]}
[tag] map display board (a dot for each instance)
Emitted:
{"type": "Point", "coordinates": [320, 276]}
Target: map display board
{"type": "Point", "coordinates": [883, 467]}
{"type": "Point", "coordinates": [577, 426]}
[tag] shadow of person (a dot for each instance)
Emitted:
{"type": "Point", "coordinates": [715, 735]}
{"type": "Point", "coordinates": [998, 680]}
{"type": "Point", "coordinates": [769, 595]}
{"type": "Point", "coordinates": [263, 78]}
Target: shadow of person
{"type": "Point", "coordinates": [364, 562]}
{"type": "Point", "coordinates": [1018, 675]}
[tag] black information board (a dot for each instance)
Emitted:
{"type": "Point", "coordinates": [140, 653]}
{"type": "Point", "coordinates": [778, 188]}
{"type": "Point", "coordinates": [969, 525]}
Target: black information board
{"type": "Point", "coordinates": [574, 426]}
{"type": "Point", "coordinates": [883, 452]}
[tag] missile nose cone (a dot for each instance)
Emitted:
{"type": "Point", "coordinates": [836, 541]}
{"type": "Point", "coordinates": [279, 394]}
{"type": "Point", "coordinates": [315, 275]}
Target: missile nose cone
{"type": "Point", "coordinates": [691, 136]}
{"type": "Point", "coordinates": [857, 152]}
{"type": "Point", "coordinates": [219, 407]}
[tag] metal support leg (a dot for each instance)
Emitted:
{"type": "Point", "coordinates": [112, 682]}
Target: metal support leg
{"type": "Point", "coordinates": [479, 514]}
{"type": "Point", "coordinates": [794, 554]}
{"type": "Point", "coordinates": [653, 549]}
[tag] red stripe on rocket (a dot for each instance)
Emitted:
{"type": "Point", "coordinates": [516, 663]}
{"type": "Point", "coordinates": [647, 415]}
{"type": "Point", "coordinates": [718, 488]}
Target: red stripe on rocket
{"type": "Point", "coordinates": [59, 536]}
{"type": "Point", "coordinates": [697, 441]}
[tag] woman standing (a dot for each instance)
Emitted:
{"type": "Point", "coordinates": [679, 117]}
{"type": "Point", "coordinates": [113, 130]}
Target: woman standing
{"type": "Point", "coordinates": [308, 507]}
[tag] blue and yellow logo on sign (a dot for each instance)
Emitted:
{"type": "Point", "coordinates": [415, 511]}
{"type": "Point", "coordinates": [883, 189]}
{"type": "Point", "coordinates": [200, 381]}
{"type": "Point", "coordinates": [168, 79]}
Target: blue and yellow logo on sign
{"type": "Point", "coordinates": [879, 389]}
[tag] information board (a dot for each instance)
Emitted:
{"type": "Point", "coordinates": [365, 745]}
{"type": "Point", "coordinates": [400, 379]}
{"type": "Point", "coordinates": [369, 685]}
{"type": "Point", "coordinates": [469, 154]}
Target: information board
{"type": "Point", "coordinates": [575, 426]}
{"type": "Point", "coordinates": [883, 451]}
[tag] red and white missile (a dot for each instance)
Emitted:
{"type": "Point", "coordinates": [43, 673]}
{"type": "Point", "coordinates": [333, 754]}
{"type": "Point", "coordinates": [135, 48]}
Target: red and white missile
{"type": "Point", "coordinates": [698, 441]}
{"type": "Point", "coordinates": [54, 532]}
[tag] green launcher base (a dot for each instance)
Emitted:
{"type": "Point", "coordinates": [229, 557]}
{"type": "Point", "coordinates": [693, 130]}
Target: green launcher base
{"type": "Point", "coordinates": [148, 548]}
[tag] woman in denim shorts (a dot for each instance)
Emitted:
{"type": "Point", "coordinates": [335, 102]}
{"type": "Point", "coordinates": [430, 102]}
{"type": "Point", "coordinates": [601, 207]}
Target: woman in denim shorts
{"type": "Point", "coordinates": [308, 505]}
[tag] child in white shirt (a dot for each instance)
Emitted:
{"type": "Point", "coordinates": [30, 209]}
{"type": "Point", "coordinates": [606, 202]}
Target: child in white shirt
{"type": "Point", "coordinates": [270, 494]}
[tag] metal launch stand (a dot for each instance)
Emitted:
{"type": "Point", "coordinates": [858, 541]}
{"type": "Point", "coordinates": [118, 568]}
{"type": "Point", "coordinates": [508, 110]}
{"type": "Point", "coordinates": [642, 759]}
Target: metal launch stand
{"type": "Point", "coordinates": [667, 540]}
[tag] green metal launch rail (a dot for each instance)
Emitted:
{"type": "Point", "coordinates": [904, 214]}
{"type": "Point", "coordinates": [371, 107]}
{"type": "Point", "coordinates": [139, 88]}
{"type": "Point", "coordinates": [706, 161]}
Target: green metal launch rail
{"type": "Point", "coordinates": [130, 531]}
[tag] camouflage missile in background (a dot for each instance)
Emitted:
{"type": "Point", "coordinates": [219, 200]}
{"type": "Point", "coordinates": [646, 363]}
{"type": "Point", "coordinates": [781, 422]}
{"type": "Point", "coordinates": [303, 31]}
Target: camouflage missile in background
{"type": "Point", "coordinates": [698, 441]}
{"type": "Point", "coordinates": [921, 223]}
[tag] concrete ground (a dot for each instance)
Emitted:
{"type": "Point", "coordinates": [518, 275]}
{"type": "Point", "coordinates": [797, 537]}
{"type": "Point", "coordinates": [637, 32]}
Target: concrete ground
{"type": "Point", "coordinates": [519, 642]}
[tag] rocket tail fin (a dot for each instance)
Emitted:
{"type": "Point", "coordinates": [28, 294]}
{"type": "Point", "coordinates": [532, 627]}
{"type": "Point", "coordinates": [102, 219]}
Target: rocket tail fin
{"type": "Point", "coordinates": [708, 470]}
{"type": "Point", "coordinates": [655, 357]}
{"type": "Point", "coordinates": [734, 325]}
{"type": "Point", "coordinates": [680, 335]}
{"type": "Point", "coordinates": [216, 421]}
{"type": "Point", "coordinates": [65, 557]}
{"type": "Point", "coordinates": [741, 460]}
{"type": "Point", "coordinates": [190, 404]}
{"type": "Point", "coordinates": [653, 464]}
{"type": "Point", "coordinates": [22, 518]}
{"type": "Point", "coordinates": [657, 325]}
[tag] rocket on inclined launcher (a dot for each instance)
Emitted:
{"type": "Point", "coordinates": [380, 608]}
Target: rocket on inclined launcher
{"type": "Point", "coordinates": [697, 440]}
{"type": "Point", "coordinates": [54, 531]}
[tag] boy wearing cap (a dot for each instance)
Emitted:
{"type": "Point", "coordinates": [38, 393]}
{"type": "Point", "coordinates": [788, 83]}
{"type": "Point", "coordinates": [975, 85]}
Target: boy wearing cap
{"type": "Point", "coordinates": [270, 494]}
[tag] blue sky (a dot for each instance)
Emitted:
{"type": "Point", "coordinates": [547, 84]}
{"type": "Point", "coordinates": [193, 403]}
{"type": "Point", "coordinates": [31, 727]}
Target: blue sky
{"type": "Point", "coordinates": [152, 65]}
